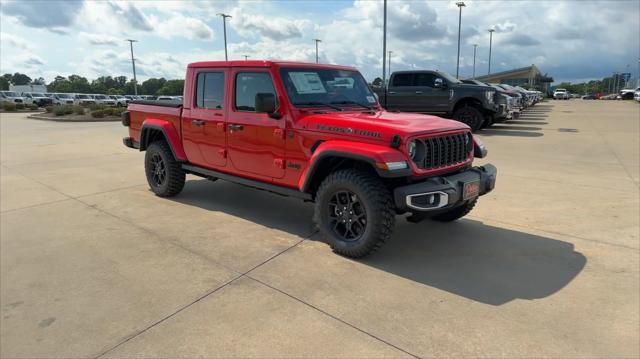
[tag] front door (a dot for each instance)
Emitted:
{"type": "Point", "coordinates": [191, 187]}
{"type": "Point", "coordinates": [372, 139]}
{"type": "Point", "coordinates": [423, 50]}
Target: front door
{"type": "Point", "coordinates": [203, 124]}
{"type": "Point", "coordinates": [255, 141]}
{"type": "Point", "coordinates": [432, 99]}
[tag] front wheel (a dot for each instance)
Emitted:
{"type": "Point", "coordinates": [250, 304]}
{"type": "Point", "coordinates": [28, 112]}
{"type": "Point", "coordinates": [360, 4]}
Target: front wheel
{"type": "Point", "coordinates": [355, 212]}
{"type": "Point", "coordinates": [164, 175]}
{"type": "Point", "coordinates": [470, 116]}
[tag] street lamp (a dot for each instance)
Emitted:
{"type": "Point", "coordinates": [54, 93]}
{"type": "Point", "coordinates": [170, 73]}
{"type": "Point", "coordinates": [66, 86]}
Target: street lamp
{"type": "Point", "coordinates": [245, 57]}
{"type": "Point", "coordinates": [475, 46]}
{"type": "Point", "coordinates": [460, 5]}
{"type": "Point", "coordinates": [317, 41]}
{"type": "Point", "coordinates": [133, 64]}
{"type": "Point", "coordinates": [224, 29]}
{"type": "Point", "coordinates": [490, 41]}
{"type": "Point", "coordinates": [390, 52]}
{"type": "Point", "coordinates": [384, 42]}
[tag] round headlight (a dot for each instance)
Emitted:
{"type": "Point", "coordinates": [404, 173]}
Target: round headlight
{"type": "Point", "coordinates": [413, 149]}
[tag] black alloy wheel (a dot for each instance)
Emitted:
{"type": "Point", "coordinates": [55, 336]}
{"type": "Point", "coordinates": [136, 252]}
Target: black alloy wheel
{"type": "Point", "coordinates": [158, 170]}
{"type": "Point", "coordinates": [347, 216]}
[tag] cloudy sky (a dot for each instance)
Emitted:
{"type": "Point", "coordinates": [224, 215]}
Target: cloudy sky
{"type": "Point", "coordinates": [570, 40]}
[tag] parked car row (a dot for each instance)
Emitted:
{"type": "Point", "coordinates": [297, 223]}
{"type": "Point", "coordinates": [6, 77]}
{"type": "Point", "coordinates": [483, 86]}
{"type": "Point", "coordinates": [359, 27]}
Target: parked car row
{"type": "Point", "coordinates": [47, 99]}
{"type": "Point", "coordinates": [472, 102]}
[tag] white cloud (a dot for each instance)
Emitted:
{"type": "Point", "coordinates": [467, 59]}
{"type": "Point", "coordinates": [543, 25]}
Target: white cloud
{"type": "Point", "coordinates": [182, 26]}
{"type": "Point", "coordinates": [274, 28]}
{"type": "Point", "coordinates": [100, 39]}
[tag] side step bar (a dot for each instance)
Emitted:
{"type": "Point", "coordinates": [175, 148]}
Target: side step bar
{"type": "Point", "coordinates": [285, 191]}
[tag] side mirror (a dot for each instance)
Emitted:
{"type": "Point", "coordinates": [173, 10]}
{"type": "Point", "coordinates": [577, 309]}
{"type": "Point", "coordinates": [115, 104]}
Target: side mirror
{"type": "Point", "coordinates": [265, 102]}
{"type": "Point", "coordinates": [439, 83]}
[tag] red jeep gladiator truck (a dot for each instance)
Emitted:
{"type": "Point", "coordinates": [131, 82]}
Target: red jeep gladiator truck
{"type": "Point", "coordinates": [316, 132]}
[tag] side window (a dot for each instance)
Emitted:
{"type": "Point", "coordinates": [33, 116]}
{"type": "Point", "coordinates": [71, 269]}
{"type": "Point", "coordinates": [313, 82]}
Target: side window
{"type": "Point", "coordinates": [248, 84]}
{"type": "Point", "coordinates": [400, 80]}
{"type": "Point", "coordinates": [210, 90]}
{"type": "Point", "coordinates": [425, 80]}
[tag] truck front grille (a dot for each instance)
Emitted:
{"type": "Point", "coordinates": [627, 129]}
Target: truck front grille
{"type": "Point", "coordinates": [445, 151]}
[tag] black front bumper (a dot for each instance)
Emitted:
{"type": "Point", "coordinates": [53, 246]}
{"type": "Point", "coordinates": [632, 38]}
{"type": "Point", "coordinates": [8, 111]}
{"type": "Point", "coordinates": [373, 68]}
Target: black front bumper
{"type": "Point", "coordinates": [443, 192]}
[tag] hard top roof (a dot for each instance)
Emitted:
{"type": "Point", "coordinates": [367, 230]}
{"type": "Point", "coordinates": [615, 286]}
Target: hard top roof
{"type": "Point", "coordinates": [266, 63]}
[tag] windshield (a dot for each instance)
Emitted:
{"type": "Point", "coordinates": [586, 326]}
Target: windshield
{"type": "Point", "coordinates": [84, 96]}
{"type": "Point", "coordinates": [449, 77]}
{"type": "Point", "coordinates": [100, 97]}
{"type": "Point", "coordinates": [62, 95]}
{"type": "Point", "coordinates": [10, 93]}
{"type": "Point", "coordinates": [313, 87]}
{"type": "Point", "coordinates": [37, 94]}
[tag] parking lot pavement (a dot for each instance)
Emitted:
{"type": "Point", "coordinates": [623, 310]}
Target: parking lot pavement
{"type": "Point", "coordinates": [547, 265]}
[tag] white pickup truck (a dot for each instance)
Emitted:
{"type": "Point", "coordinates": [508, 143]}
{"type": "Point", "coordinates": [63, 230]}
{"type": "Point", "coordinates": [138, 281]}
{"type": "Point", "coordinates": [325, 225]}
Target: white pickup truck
{"type": "Point", "coordinates": [561, 94]}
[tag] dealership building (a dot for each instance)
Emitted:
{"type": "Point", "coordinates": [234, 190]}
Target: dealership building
{"type": "Point", "coordinates": [528, 77]}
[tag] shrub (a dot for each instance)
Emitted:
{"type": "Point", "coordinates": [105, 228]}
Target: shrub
{"type": "Point", "coordinates": [68, 110]}
{"type": "Point", "coordinates": [78, 110]}
{"type": "Point", "coordinates": [114, 111]}
{"type": "Point", "coordinates": [33, 106]}
{"type": "Point", "coordinates": [95, 107]}
{"type": "Point", "coordinates": [97, 114]}
{"type": "Point", "coordinates": [20, 106]}
{"type": "Point", "coordinates": [49, 109]}
{"type": "Point", "coordinates": [8, 106]}
{"type": "Point", "coordinates": [60, 111]}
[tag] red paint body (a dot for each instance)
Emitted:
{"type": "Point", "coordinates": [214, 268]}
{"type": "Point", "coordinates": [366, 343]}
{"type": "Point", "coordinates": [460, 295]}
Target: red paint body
{"type": "Point", "coordinates": [281, 151]}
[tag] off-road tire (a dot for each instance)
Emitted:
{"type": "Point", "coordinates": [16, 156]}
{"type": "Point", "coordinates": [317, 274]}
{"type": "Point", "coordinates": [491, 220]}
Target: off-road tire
{"type": "Point", "coordinates": [378, 206]}
{"type": "Point", "coordinates": [456, 213]}
{"type": "Point", "coordinates": [470, 116]}
{"type": "Point", "coordinates": [174, 177]}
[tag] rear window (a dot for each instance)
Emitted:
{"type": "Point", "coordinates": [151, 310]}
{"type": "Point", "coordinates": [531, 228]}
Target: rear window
{"type": "Point", "coordinates": [248, 84]}
{"type": "Point", "coordinates": [210, 90]}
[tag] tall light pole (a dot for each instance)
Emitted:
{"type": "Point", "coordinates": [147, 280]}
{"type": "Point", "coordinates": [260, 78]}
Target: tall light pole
{"type": "Point", "coordinates": [490, 42]}
{"type": "Point", "coordinates": [390, 52]}
{"type": "Point", "coordinates": [384, 42]}
{"type": "Point", "coordinates": [224, 29]}
{"type": "Point", "coordinates": [317, 41]}
{"type": "Point", "coordinates": [245, 57]}
{"type": "Point", "coordinates": [133, 63]}
{"type": "Point", "coordinates": [460, 5]}
{"type": "Point", "coordinates": [475, 46]}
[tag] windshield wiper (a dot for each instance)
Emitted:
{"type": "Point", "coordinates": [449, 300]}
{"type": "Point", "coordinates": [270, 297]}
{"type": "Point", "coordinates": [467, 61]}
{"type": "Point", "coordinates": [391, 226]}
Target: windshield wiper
{"type": "Point", "coordinates": [352, 103]}
{"type": "Point", "coordinates": [317, 103]}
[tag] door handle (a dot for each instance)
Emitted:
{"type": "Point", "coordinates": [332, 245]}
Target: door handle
{"type": "Point", "coordinates": [197, 122]}
{"type": "Point", "coordinates": [391, 92]}
{"type": "Point", "coordinates": [419, 92]}
{"type": "Point", "coordinates": [236, 127]}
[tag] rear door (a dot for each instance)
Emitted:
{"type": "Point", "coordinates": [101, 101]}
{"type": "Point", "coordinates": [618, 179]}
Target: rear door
{"type": "Point", "coordinates": [204, 121]}
{"type": "Point", "coordinates": [255, 141]}
{"type": "Point", "coordinates": [400, 93]}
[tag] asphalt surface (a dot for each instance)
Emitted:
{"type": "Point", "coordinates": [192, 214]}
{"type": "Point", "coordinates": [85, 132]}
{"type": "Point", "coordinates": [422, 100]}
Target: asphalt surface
{"type": "Point", "coordinates": [92, 264]}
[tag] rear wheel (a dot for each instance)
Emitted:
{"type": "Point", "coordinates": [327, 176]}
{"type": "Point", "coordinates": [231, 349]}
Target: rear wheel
{"type": "Point", "coordinates": [164, 175]}
{"type": "Point", "coordinates": [355, 212]}
{"type": "Point", "coordinates": [470, 116]}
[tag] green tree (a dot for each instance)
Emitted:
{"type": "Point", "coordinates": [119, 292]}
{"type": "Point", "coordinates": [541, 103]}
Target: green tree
{"type": "Point", "coordinates": [172, 88]}
{"type": "Point", "coordinates": [5, 80]}
{"type": "Point", "coordinates": [151, 86]}
{"type": "Point", "coordinates": [20, 79]}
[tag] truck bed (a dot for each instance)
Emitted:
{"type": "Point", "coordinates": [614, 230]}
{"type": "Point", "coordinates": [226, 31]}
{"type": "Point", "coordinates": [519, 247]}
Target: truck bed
{"type": "Point", "coordinates": [139, 111]}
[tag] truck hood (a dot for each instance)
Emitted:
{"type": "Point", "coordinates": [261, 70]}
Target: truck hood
{"type": "Point", "coordinates": [475, 87]}
{"type": "Point", "coordinates": [381, 125]}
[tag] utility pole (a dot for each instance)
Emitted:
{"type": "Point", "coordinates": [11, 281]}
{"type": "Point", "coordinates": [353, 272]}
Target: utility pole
{"type": "Point", "coordinates": [490, 43]}
{"type": "Point", "coordinates": [460, 5]}
{"type": "Point", "coordinates": [384, 43]}
{"type": "Point", "coordinates": [389, 67]}
{"type": "Point", "coordinates": [317, 41]}
{"type": "Point", "coordinates": [475, 46]}
{"type": "Point", "coordinates": [224, 29]}
{"type": "Point", "coordinates": [133, 64]}
{"type": "Point", "coordinates": [245, 57]}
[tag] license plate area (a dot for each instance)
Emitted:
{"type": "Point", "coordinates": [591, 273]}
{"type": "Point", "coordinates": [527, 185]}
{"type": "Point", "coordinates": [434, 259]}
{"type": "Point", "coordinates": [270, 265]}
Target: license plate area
{"type": "Point", "coordinates": [470, 190]}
